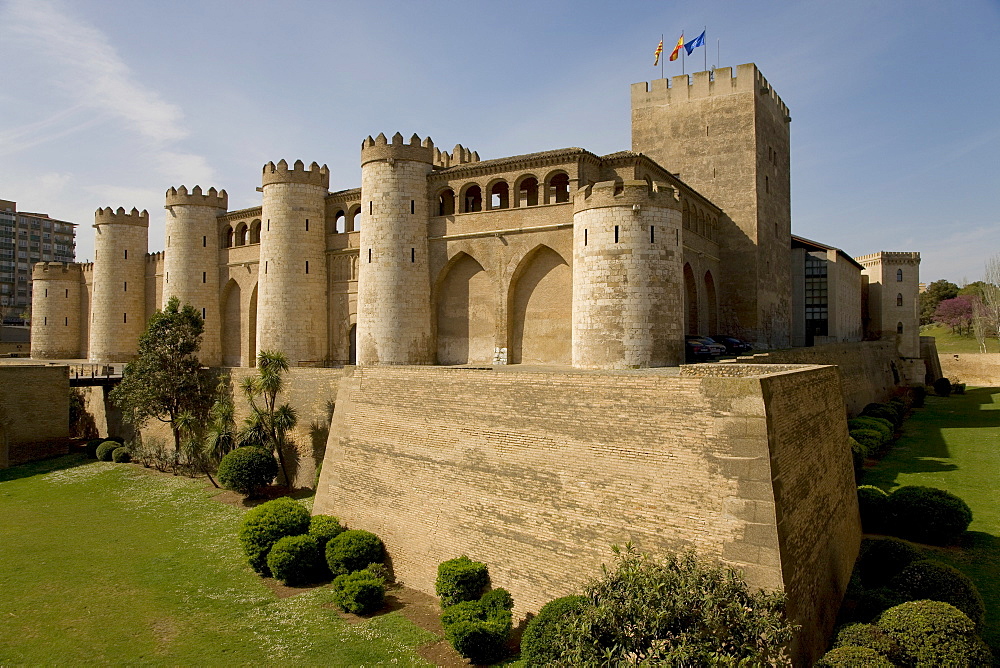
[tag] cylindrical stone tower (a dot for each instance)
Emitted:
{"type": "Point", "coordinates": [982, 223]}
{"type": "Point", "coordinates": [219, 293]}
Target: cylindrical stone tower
{"type": "Point", "coordinates": [191, 260]}
{"type": "Point", "coordinates": [394, 294]}
{"type": "Point", "coordinates": [627, 276]}
{"type": "Point", "coordinates": [55, 310]}
{"type": "Point", "coordinates": [292, 285]}
{"type": "Point", "coordinates": [118, 306]}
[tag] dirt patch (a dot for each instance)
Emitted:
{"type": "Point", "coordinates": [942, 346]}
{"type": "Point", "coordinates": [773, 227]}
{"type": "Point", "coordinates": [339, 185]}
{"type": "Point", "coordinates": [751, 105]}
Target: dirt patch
{"type": "Point", "coordinates": [284, 591]}
{"type": "Point", "coordinates": [231, 498]}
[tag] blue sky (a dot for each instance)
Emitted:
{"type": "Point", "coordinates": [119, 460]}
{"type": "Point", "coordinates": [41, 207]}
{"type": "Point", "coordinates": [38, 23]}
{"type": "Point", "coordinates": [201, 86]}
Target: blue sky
{"type": "Point", "coordinates": [895, 130]}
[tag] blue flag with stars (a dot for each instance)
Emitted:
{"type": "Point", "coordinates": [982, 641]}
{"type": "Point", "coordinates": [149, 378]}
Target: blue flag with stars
{"type": "Point", "coordinates": [695, 43]}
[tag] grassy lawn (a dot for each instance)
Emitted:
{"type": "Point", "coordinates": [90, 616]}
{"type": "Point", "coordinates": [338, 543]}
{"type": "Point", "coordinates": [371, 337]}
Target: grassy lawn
{"type": "Point", "coordinates": [954, 444]}
{"type": "Point", "coordinates": [104, 563]}
{"type": "Point", "coordinates": [949, 343]}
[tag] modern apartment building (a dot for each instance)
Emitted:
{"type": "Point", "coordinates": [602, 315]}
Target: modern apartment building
{"type": "Point", "coordinates": [27, 238]}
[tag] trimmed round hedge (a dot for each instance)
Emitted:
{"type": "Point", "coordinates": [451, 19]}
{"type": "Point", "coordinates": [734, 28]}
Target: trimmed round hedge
{"type": "Point", "coordinates": [935, 581]}
{"type": "Point", "coordinates": [361, 592]}
{"type": "Point", "coordinates": [869, 439]}
{"type": "Point", "coordinates": [295, 560]}
{"type": "Point", "coordinates": [106, 449]}
{"type": "Point", "coordinates": [324, 528]}
{"type": "Point", "coordinates": [478, 630]}
{"type": "Point", "coordinates": [353, 550]}
{"type": "Point", "coordinates": [121, 455]}
{"type": "Point", "coordinates": [882, 426]}
{"type": "Point", "coordinates": [266, 524]}
{"type": "Point", "coordinates": [461, 579]}
{"type": "Point", "coordinates": [870, 636]}
{"type": "Point", "coordinates": [881, 559]}
{"type": "Point", "coordinates": [247, 470]}
{"type": "Point", "coordinates": [873, 505]}
{"type": "Point", "coordinates": [91, 447]}
{"type": "Point", "coordinates": [539, 640]}
{"type": "Point", "coordinates": [932, 633]}
{"type": "Point", "coordinates": [850, 656]}
{"type": "Point", "coordinates": [928, 515]}
{"type": "Point", "coordinates": [942, 387]}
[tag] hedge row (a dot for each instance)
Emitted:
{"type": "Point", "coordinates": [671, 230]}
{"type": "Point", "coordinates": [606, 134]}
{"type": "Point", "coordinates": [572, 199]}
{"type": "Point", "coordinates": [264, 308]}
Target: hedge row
{"type": "Point", "coordinates": [921, 514]}
{"type": "Point", "coordinates": [476, 624]}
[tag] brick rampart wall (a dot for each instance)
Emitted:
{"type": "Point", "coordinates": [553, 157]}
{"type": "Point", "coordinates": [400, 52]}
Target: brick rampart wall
{"type": "Point", "coordinates": [972, 368]}
{"type": "Point", "coordinates": [865, 368]}
{"type": "Point", "coordinates": [34, 407]}
{"type": "Point", "coordinates": [538, 473]}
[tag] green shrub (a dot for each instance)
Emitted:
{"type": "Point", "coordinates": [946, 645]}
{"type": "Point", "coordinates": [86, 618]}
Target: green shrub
{"type": "Point", "coordinates": [881, 559]}
{"type": "Point", "coordinates": [106, 449]}
{"type": "Point", "coordinates": [121, 455]}
{"type": "Point", "coordinates": [869, 438]}
{"type": "Point", "coordinates": [881, 425]}
{"type": "Point", "coordinates": [935, 581]}
{"type": "Point", "coordinates": [461, 580]}
{"type": "Point", "coordinates": [295, 560]}
{"type": "Point", "coordinates": [850, 656]}
{"type": "Point", "coordinates": [361, 592]}
{"type": "Point", "coordinates": [324, 528]}
{"type": "Point", "coordinates": [247, 470]}
{"type": "Point", "coordinates": [942, 387]}
{"type": "Point", "coordinates": [873, 504]}
{"type": "Point", "coordinates": [264, 525]}
{"type": "Point", "coordinates": [886, 411]}
{"type": "Point", "coordinates": [873, 602]}
{"type": "Point", "coordinates": [539, 642]}
{"type": "Point", "coordinates": [91, 447]}
{"type": "Point", "coordinates": [870, 637]}
{"type": "Point", "coordinates": [928, 515]}
{"type": "Point", "coordinates": [478, 630]}
{"type": "Point", "coordinates": [932, 633]}
{"type": "Point", "coordinates": [352, 551]}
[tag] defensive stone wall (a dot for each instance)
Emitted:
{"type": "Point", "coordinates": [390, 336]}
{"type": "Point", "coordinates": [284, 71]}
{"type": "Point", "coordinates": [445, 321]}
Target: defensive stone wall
{"type": "Point", "coordinates": [34, 409]}
{"type": "Point", "coordinates": [538, 472]}
{"type": "Point", "coordinates": [866, 368]}
{"type": "Point", "coordinates": [981, 369]}
{"type": "Point", "coordinates": [55, 306]}
{"type": "Point", "coordinates": [118, 314]}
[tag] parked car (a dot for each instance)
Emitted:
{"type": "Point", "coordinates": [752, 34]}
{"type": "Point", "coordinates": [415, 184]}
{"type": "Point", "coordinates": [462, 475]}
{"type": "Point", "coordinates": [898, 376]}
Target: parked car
{"type": "Point", "coordinates": [702, 348]}
{"type": "Point", "coordinates": [734, 346]}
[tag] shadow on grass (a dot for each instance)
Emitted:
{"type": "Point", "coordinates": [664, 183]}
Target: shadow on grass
{"type": "Point", "coordinates": [44, 466]}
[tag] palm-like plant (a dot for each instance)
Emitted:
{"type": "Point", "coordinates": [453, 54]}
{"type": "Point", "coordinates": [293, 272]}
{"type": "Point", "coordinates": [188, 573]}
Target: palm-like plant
{"type": "Point", "coordinates": [268, 424]}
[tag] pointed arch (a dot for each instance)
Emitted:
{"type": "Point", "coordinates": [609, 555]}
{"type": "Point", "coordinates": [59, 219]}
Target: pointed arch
{"type": "Point", "coordinates": [466, 312]}
{"type": "Point", "coordinates": [252, 329]}
{"type": "Point", "coordinates": [540, 309]}
{"type": "Point", "coordinates": [690, 301]}
{"type": "Point", "coordinates": [232, 323]}
{"type": "Point", "coordinates": [711, 305]}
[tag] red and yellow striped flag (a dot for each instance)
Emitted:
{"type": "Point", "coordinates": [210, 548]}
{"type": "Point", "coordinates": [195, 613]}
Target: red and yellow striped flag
{"type": "Point", "coordinates": [659, 50]}
{"type": "Point", "coordinates": [680, 45]}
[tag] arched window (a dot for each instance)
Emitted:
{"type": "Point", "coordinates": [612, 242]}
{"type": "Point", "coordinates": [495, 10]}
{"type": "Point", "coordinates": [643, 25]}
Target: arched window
{"type": "Point", "coordinates": [241, 235]}
{"type": "Point", "coordinates": [228, 243]}
{"type": "Point", "coordinates": [558, 188]}
{"type": "Point", "coordinates": [472, 199]}
{"type": "Point", "coordinates": [527, 192]}
{"type": "Point", "coordinates": [339, 221]}
{"type": "Point", "coordinates": [899, 275]}
{"type": "Point", "coordinates": [899, 328]}
{"type": "Point", "coordinates": [446, 203]}
{"type": "Point", "coordinates": [255, 232]}
{"type": "Point", "coordinates": [353, 224]}
{"type": "Point", "coordinates": [899, 299]}
{"type": "Point", "coordinates": [500, 195]}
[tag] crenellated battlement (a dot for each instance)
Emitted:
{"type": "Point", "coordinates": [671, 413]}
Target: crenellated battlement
{"type": "Point", "coordinates": [56, 271]}
{"type": "Point", "coordinates": [459, 155]}
{"type": "Point", "coordinates": [716, 82]}
{"type": "Point", "coordinates": [381, 148]}
{"type": "Point", "coordinates": [120, 216]}
{"type": "Point", "coordinates": [153, 258]}
{"type": "Point", "coordinates": [181, 197]}
{"type": "Point", "coordinates": [894, 257]}
{"type": "Point", "coordinates": [626, 193]}
{"type": "Point", "coordinates": [280, 173]}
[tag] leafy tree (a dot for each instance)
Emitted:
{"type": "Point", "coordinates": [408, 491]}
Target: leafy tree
{"type": "Point", "coordinates": [163, 381]}
{"type": "Point", "coordinates": [675, 611]}
{"type": "Point", "coordinates": [268, 424]}
{"type": "Point", "coordinates": [929, 299]}
{"type": "Point", "coordinates": [958, 313]}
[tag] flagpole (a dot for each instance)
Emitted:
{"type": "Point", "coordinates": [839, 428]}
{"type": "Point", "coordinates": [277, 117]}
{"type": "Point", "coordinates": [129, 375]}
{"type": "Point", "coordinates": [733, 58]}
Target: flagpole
{"type": "Point", "coordinates": [683, 51]}
{"type": "Point", "coordinates": [706, 50]}
{"type": "Point", "coordinates": [718, 53]}
{"type": "Point", "coordinates": [661, 55]}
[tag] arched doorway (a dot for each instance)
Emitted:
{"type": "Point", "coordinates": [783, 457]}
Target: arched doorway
{"type": "Point", "coordinates": [711, 305]}
{"type": "Point", "coordinates": [466, 314]}
{"type": "Point", "coordinates": [690, 301]}
{"type": "Point", "coordinates": [232, 337]}
{"type": "Point", "coordinates": [252, 329]}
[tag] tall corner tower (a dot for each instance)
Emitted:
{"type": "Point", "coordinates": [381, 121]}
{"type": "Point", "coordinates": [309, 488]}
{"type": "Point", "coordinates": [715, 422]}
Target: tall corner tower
{"type": "Point", "coordinates": [191, 259]}
{"type": "Point", "coordinates": [292, 285]}
{"type": "Point", "coordinates": [894, 298]}
{"type": "Point", "coordinates": [728, 138]}
{"type": "Point", "coordinates": [118, 304]}
{"type": "Point", "coordinates": [627, 277]}
{"type": "Point", "coordinates": [394, 293]}
{"type": "Point", "coordinates": [55, 311]}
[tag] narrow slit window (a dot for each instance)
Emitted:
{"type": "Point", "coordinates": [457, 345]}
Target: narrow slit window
{"type": "Point", "coordinates": [370, 207]}
{"type": "Point", "coordinates": [67, 293]}
{"type": "Point", "coordinates": [413, 206]}
{"type": "Point", "coordinates": [203, 314]}
{"type": "Point", "coordinates": [652, 234]}
{"type": "Point", "coordinates": [265, 266]}
{"type": "Point", "coordinates": [268, 224]}
{"type": "Point", "coordinates": [369, 256]}
{"type": "Point", "coordinates": [585, 236]}
{"type": "Point", "coordinates": [168, 277]}
{"type": "Point", "coordinates": [204, 242]}
{"type": "Point", "coordinates": [45, 321]}
{"type": "Point", "coordinates": [307, 266]}
{"type": "Point", "coordinates": [126, 253]}
{"type": "Point", "coordinates": [616, 234]}
{"type": "Point", "coordinates": [125, 318]}
{"type": "Point", "coordinates": [204, 277]}
{"type": "Point", "coordinates": [125, 286]}
{"type": "Point", "coordinates": [413, 255]}
{"type": "Point", "coordinates": [65, 322]}
{"type": "Point", "coordinates": [46, 292]}
{"type": "Point", "coordinates": [307, 224]}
